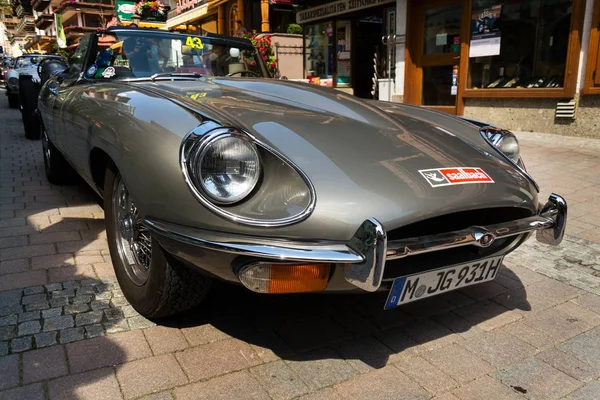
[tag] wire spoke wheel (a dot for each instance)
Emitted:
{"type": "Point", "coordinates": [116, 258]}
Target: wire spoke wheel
{"type": "Point", "coordinates": [134, 242]}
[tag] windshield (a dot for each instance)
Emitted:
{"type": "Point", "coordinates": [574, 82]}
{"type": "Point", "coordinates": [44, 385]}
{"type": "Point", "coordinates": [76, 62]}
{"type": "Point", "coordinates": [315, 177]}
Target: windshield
{"type": "Point", "coordinates": [23, 62]}
{"type": "Point", "coordinates": [141, 54]}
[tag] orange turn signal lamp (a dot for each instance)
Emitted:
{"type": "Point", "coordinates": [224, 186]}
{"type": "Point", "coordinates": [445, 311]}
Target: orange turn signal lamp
{"type": "Point", "coordinates": [285, 278]}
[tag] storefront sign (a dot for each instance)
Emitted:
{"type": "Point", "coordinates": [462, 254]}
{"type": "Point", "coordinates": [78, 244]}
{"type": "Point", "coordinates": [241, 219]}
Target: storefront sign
{"type": "Point", "coordinates": [125, 9]}
{"type": "Point", "coordinates": [485, 35]}
{"type": "Point", "coordinates": [336, 8]}
{"type": "Point", "coordinates": [183, 5]}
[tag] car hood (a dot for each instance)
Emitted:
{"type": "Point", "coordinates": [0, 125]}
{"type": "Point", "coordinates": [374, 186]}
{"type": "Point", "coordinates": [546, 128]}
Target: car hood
{"type": "Point", "coordinates": [362, 157]}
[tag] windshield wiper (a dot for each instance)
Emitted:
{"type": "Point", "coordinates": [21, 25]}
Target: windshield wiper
{"type": "Point", "coordinates": [176, 74]}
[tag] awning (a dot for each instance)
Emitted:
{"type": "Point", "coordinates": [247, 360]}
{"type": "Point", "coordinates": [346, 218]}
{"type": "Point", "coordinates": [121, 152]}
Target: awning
{"type": "Point", "coordinates": [194, 14]}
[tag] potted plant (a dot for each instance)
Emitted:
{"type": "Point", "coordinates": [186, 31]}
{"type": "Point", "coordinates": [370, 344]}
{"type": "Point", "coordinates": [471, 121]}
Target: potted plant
{"type": "Point", "coordinates": [151, 10]}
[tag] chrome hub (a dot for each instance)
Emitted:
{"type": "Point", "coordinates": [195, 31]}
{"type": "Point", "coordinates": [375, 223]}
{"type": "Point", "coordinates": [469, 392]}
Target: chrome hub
{"type": "Point", "coordinates": [134, 242]}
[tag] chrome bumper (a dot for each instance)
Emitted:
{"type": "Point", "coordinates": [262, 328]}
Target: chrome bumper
{"type": "Point", "coordinates": [364, 256]}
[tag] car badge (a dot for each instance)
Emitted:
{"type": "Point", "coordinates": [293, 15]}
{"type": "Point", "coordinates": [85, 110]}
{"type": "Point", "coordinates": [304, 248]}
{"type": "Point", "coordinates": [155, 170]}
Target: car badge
{"type": "Point", "coordinates": [455, 176]}
{"type": "Point", "coordinates": [486, 240]}
{"type": "Point", "coordinates": [109, 72]}
{"type": "Point", "coordinates": [91, 71]}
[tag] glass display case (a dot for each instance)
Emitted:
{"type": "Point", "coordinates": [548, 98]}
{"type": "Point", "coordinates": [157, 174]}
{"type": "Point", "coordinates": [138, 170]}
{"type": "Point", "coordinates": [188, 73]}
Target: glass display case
{"type": "Point", "coordinates": [320, 53]}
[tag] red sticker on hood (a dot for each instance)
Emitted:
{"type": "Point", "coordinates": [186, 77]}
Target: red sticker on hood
{"type": "Point", "coordinates": [455, 176]}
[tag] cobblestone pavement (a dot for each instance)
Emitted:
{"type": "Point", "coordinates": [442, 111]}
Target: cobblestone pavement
{"type": "Point", "coordinates": [66, 331]}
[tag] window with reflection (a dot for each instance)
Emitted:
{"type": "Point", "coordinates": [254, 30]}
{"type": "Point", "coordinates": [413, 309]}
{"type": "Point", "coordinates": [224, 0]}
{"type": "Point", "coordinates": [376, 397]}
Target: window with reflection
{"type": "Point", "coordinates": [531, 48]}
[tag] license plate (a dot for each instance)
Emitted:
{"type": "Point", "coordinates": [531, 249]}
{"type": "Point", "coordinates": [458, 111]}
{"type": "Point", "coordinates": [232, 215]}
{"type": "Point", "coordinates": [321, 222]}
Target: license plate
{"type": "Point", "coordinates": [420, 286]}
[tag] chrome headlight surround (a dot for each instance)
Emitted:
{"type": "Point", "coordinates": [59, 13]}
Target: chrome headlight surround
{"type": "Point", "coordinates": [214, 152]}
{"type": "Point", "coordinates": [270, 159]}
{"type": "Point", "coordinates": [13, 82]}
{"type": "Point", "coordinates": [506, 142]}
{"type": "Point", "coordinates": [495, 137]}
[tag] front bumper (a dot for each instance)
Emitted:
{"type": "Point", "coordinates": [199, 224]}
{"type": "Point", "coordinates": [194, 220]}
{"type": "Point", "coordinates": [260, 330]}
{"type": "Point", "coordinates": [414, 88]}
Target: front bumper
{"type": "Point", "coordinates": [364, 257]}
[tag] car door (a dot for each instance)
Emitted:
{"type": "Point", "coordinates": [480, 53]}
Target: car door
{"type": "Point", "coordinates": [63, 95]}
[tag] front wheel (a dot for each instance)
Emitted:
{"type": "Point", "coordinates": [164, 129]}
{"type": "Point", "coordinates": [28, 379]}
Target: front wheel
{"type": "Point", "coordinates": [154, 285]}
{"type": "Point", "coordinates": [58, 170]}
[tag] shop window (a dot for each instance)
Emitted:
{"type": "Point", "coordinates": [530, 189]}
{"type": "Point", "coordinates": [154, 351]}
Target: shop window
{"type": "Point", "coordinates": [320, 52]}
{"type": "Point", "coordinates": [344, 66]}
{"type": "Point", "coordinates": [442, 30]}
{"type": "Point", "coordinates": [519, 44]}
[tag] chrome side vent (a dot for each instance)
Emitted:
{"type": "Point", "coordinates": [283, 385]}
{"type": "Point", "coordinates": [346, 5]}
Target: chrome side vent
{"type": "Point", "coordinates": [566, 109]}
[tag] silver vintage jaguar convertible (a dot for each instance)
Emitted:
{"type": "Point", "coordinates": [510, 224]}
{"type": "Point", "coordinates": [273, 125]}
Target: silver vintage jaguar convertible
{"type": "Point", "coordinates": [212, 169]}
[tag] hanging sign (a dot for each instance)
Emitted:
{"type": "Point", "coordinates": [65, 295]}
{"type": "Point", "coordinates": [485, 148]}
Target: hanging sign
{"type": "Point", "coordinates": [336, 8]}
{"type": "Point", "coordinates": [485, 35]}
{"type": "Point", "coordinates": [183, 5]}
{"type": "Point", "coordinates": [125, 9]}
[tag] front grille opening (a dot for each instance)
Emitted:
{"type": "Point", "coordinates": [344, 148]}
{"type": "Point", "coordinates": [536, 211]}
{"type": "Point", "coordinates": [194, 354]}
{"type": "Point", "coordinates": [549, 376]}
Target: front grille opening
{"type": "Point", "coordinates": [457, 221]}
{"type": "Point", "coordinates": [448, 223]}
{"type": "Point", "coordinates": [445, 258]}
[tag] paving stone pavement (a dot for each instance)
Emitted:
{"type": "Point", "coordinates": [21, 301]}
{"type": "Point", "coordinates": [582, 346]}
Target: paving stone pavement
{"type": "Point", "coordinates": [67, 332]}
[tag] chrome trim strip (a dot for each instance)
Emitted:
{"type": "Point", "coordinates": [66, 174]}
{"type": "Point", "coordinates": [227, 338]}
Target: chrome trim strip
{"type": "Point", "coordinates": [256, 247]}
{"type": "Point", "coordinates": [212, 128]}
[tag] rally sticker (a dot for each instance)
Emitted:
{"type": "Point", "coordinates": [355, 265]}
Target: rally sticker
{"type": "Point", "coordinates": [108, 72]}
{"type": "Point", "coordinates": [455, 176]}
{"type": "Point", "coordinates": [92, 70]}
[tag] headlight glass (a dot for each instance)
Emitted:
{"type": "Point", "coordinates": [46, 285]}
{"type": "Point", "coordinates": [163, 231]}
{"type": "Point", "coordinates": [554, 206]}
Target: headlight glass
{"type": "Point", "coordinates": [507, 143]}
{"type": "Point", "coordinates": [227, 168]}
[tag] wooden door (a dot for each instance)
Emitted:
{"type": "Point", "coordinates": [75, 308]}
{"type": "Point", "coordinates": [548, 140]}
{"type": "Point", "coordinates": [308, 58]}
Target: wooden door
{"type": "Point", "coordinates": [434, 53]}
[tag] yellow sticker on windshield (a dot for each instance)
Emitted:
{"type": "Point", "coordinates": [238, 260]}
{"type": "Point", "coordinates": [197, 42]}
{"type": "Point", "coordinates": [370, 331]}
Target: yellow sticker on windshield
{"type": "Point", "coordinates": [194, 43]}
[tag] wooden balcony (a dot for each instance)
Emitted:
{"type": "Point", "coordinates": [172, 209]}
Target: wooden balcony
{"type": "Point", "coordinates": [44, 21]}
{"type": "Point", "coordinates": [40, 5]}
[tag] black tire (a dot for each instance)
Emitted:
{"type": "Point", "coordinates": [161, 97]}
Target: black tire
{"type": "Point", "coordinates": [58, 170]}
{"type": "Point", "coordinates": [13, 101]}
{"type": "Point", "coordinates": [28, 96]}
{"type": "Point", "coordinates": [169, 288]}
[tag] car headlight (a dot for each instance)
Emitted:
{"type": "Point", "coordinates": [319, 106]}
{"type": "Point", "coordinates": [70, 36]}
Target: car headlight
{"type": "Point", "coordinates": [226, 167]}
{"type": "Point", "coordinates": [506, 142]}
{"type": "Point", "coordinates": [243, 179]}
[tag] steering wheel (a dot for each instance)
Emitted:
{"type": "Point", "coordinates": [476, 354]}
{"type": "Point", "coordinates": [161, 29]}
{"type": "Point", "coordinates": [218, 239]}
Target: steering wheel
{"type": "Point", "coordinates": [242, 72]}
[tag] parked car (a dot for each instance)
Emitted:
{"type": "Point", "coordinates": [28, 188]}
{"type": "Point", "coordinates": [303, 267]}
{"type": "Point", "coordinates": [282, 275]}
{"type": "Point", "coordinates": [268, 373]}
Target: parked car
{"type": "Point", "coordinates": [23, 86]}
{"type": "Point", "coordinates": [211, 169]}
{"type": "Point", "coordinates": [5, 64]}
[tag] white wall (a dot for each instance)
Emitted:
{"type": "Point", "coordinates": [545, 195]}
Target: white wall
{"type": "Point", "coordinates": [585, 40]}
{"type": "Point", "coordinates": [401, 15]}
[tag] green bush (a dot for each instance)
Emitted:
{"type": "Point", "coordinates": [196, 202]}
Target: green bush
{"type": "Point", "coordinates": [294, 28]}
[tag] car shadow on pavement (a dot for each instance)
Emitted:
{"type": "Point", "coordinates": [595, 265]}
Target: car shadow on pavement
{"type": "Point", "coordinates": [353, 327]}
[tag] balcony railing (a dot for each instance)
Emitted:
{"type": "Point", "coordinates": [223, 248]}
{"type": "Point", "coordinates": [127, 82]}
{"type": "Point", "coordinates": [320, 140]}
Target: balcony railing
{"type": "Point", "coordinates": [25, 23]}
{"type": "Point", "coordinates": [84, 6]}
{"type": "Point", "coordinates": [75, 31]}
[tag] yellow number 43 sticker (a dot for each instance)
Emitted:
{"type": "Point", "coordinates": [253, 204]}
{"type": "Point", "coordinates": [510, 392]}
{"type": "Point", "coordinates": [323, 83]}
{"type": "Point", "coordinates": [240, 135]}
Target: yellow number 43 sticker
{"type": "Point", "coordinates": [194, 43]}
